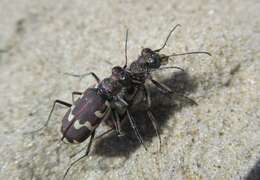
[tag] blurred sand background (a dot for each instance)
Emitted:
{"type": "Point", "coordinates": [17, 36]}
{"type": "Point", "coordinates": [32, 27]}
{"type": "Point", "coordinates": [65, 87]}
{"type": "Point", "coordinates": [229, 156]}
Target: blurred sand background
{"type": "Point", "coordinates": [218, 139]}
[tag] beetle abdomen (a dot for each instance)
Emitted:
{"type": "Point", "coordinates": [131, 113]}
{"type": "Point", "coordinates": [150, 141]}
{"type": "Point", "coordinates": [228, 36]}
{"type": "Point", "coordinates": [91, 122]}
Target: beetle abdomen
{"type": "Point", "coordinates": [84, 116]}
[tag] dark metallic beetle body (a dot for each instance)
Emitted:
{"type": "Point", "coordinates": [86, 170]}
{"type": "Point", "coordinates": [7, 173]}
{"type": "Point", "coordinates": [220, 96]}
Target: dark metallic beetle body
{"type": "Point", "coordinates": [147, 61]}
{"type": "Point", "coordinates": [124, 89]}
{"type": "Point", "coordinates": [84, 116]}
{"type": "Point", "coordinates": [139, 71]}
{"type": "Point", "coordinates": [92, 108]}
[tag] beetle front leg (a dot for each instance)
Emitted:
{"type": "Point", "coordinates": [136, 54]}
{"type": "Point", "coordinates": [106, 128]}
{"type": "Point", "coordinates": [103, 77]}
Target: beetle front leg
{"type": "Point", "coordinates": [162, 87]}
{"type": "Point", "coordinates": [167, 91]}
{"type": "Point", "coordinates": [83, 75]}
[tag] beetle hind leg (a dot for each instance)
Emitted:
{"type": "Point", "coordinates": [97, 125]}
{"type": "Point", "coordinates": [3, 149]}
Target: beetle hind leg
{"type": "Point", "coordinates": [86, 154]}
{"type": "Point", "coordinates": [151, 116]}
{"type": "Point", "coordinates": [57, 101]}
{"type": "Point", "coordinates": [117, 120]}
{"type": "Point", "coordinates": [75, 93]}
{"type": "Point", "coordinates": [133, 125]}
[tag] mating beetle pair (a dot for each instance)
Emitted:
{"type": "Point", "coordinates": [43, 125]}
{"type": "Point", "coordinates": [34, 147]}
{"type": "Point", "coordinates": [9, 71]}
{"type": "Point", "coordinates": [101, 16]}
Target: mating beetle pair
{"type": "Point", "coordinates": [114, 96]}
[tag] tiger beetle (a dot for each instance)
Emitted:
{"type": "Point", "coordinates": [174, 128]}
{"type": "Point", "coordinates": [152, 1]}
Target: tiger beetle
{"type": "Point", "coordinates": [114, 96]}
{"type": "Point", "coordinates": [140, 71]}
{"type": "Point", "coordinates": [133, 89]}
{"type": "Point", "coordinates": [94, 106]}
{"type": "Point", "coordinates": [150, 61]}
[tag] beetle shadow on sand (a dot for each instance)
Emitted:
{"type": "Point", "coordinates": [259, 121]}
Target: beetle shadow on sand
{"type": "Point", "coordinates": [163, 108]}
{"type": "Point", "coordinates": [254, 173]}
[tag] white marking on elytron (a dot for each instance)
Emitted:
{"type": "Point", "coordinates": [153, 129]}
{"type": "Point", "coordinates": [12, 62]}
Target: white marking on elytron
{"type": "Point", "coordinates": [66, 140]}
{"type": "Point", "coordinates": [81, 96]}
{"type": "Point", "coordinates": [100, 114]}
{"type": "Point", "coordinates": [71, 116]}
{"type": "Point", "coordinates": [87, 124]}
{"type": "Point", "coordinates": [75, 142]}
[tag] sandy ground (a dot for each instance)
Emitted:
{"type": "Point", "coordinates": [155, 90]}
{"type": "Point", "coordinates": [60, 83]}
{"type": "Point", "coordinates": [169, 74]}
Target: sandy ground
{"type": "Point", "coordinates": [218, 139]}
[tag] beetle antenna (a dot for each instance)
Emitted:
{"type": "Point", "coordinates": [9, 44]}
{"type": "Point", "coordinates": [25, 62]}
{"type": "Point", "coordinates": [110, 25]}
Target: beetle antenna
{"type": "Point", "coordinates": [126, 37]}
{"type": "Point", "coordinates": [169, 35]}
{"type": "Point", "coordinates": [187, 53]}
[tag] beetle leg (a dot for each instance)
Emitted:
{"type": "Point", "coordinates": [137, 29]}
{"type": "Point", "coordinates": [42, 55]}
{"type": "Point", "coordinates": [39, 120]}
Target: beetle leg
{"type": "Point", "coordinates": [162, 87]}
{"type": "Point", "coordinates": [122, 121]}
{"type": "Point", "coordinates": [117, 122]}
{"type": "Point", "coordinates": [114, 119]}
{"type": "Point", "coordinates": [150, 114]}
{"type": "Point", "coordinates": [83, 75]}
{"type": "Point", "coordinates": [75, 93]}
{"type": "Point", "coordinates": [122, 101]}
{"type": "Point", "coordinates": [170, 67]}
{"type": "Point", "coordinates": [57, 101]}
{"type": "Point", "coordinates": [137, 133]}
{"type": "Point", "coordinates": [166, 90]}
{"type": "Point", "coordinates": [97, 137]}
{"type": "Point", "coordinates": [86, 154]}
{"type": "Point", "coordinates": [104, 133]}
{"type": "Point", "coordinates": [54, 104]}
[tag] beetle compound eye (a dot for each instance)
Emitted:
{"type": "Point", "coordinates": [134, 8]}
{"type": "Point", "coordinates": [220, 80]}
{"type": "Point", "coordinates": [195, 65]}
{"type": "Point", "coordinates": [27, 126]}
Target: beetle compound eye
{"type": "Point", "coordinates": [123, 77]}
{"type": "Point", "coordinates": [151, 60]}
{"type": "Point", "coordinates": [154, 61]}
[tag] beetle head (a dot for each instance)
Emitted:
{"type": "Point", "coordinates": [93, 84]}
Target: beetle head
{"type": "Point", "coordinates": [120, 75]}
{"type": "Point", "coordinates": [152, 59]}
